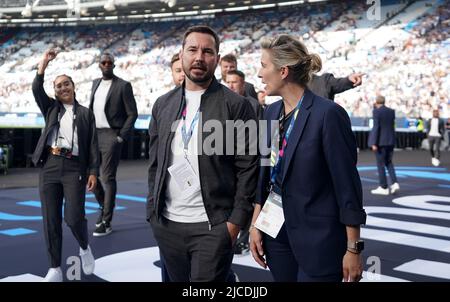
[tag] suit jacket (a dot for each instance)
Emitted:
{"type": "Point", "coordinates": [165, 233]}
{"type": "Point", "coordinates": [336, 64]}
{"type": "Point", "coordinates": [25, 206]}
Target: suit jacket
{"type": "Point", "coordinates": [228, 183]}
{"type": "Point", "coordinates": [120, 107]}
{"type": "Point", "coordinates": [326, 85]}
{"type": "Point", "coordinates": [250, 90]}
{"type": "Point", "coordinates": [321, 189]}
{"type": "Point", "coordinates": [441, 127]}
{"type": "Point", "coordinates": [85, 123]}
{"type": "Point", "coordinates": [257, 108]}
{"type": "Point", "coordinates": [383, 131]}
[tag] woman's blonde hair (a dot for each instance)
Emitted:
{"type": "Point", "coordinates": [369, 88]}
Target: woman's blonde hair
{"type": "Point", "coordinates": [287, 51]}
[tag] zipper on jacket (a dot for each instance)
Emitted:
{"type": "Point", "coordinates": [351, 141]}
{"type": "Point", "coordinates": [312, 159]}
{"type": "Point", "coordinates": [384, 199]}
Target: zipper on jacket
{"type": "Point", "coordinates": [166, 155]}
{"type": "Point", "coordinates": [199, 161]}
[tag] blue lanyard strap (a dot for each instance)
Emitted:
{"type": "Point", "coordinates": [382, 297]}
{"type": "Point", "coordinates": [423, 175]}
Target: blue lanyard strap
{"type": "Point", "coordinates": [188, 135]}
{"type": "Point", "coordinates": [277, 166]}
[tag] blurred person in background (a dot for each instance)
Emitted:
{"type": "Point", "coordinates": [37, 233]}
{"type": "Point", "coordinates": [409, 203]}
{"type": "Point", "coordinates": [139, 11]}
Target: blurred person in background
{"type": "Point", "coordinates": [435, 132]}
{"type": "Point", "coordinates": [228, 63]}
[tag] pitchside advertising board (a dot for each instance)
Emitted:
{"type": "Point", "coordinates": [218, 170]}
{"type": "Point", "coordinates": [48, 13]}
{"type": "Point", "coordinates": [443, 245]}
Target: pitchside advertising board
{"type": "Point", "coordinates": [36, 120]}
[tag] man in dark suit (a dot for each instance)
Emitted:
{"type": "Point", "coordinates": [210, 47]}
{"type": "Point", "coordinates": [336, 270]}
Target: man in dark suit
{"type": "Point", "coordinates": [382, 142]}
{"type": "Point", "coordinates": [327, 86]}
{"type": "Point", "coordinates": [229, 62]}
{"type": "Point", "coordinates": [114, 106]}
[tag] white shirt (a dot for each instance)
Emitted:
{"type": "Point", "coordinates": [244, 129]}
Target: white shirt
{"type": "Point", "coordinates": [178, 207]}
{"type": "Point", "coordinates": [434, 128]}
{"type": "Point", "coordinates": [65, 132]}
{"type": "Point", "coordinates": [99, 104]}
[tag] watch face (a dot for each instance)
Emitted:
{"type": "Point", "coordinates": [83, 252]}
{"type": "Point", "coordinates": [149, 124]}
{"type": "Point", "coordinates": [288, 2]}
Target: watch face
{"type": "Point", "coordinates": [359, 245]}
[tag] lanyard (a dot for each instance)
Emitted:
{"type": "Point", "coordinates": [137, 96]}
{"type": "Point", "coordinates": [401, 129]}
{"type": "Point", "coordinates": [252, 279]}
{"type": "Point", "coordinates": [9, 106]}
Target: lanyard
{"type": "Point", "coordinates": [188, 135]}
{"type": "Point", "coordinates": [73, 126]}
{"type": "Point", "coordinates": [277, 166]}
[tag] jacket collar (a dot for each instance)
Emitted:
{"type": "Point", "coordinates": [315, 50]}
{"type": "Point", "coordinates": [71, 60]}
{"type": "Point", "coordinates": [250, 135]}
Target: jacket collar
{"type": "Point", "coordinates": [62, 109]}
{"type": "Point", "coordinates": [212, 88]}
{"type": "Point", "coordinates": [297, 131]}
{"type": "Point", "coordinates": [97, 83]}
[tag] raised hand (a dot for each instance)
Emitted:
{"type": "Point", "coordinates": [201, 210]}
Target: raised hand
{"type": "Point", "coordinates": [49, 55]}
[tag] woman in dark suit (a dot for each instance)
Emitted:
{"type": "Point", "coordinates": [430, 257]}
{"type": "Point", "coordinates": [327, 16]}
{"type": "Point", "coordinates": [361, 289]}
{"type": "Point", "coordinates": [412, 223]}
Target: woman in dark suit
{"type": "Point", "coordinates": [67, 153]}
{"type": "Point", "coordinates": [306, 223]}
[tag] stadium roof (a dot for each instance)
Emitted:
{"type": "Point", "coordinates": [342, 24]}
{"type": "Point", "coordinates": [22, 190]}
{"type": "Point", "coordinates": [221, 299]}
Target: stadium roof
{"type": "Point", "coordinates": [23, 11]}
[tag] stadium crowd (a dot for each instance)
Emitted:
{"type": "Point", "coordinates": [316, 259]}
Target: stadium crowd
{"type": "Point", "coordinates": [410, 67]}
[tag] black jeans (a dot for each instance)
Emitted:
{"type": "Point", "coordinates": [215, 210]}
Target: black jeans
{"type": "Point", "coordinates": [110, 151]}
{"type": "Point", "coordinates": [61, 178]}
{"type": "Point", "coordinates": [192, 252]}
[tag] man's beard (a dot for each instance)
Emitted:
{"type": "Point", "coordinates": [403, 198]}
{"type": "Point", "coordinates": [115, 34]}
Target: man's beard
{"type": "Point", "coordinates": [108, 74]}
{"type": "Point", "coordinates": [199, 79]}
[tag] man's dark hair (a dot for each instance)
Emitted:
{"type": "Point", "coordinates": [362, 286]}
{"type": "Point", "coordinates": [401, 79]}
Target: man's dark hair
{"type": "Point", "coordinates": [204, 30]}
{"type": "Point", "coordinates": [175, 57]}
{"type": "Point", "coordinates": [238, 73]}
{"type": "Point", "coordinates": [230, 58]}
{"type": "Point", "coordinates": [107, 54]}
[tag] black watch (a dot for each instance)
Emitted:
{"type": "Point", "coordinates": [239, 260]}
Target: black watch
{"type": "Point", "coordinates": [356, 246]}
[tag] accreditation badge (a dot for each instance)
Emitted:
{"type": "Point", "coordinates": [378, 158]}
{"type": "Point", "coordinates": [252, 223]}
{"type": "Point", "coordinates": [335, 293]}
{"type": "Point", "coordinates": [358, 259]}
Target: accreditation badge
{"type": "Point", "coordinates": [271, 218]}
{"type": "Point", "coordinates": [185, 177]}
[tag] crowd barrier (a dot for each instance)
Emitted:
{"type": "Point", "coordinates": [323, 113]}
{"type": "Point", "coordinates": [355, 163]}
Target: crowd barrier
{"type": "Point", "coordinates": [22, 141]}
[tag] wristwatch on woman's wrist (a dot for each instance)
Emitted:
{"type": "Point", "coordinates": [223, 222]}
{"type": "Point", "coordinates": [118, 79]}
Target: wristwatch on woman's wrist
{"type": "Point", "coordinates": [355, 247]}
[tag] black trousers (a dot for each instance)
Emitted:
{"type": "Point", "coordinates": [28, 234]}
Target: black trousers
{"type": "Point", "coordinates": [59, 179]}
{"type": "Point", "coordinates": [435, 141]}
{"type": "Point", "coordinates": [110, 151]}
{"type": "Point", "coordinates": [244, 235]}
{"type": "Point", "coordinates": [284, 266]}
{"type": "Point", "coordinates": [192, 252]}
{"type": "Point", "coordinates": [384, 159]}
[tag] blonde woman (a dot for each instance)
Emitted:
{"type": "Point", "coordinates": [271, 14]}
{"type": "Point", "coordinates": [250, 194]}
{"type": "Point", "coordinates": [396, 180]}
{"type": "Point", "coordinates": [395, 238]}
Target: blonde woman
{"type": "Point", "coordinates": [311, 192]}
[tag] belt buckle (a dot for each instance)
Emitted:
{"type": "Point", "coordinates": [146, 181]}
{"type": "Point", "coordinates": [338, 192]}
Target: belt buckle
{"type": "Point", "coordinates": [66, 153]}
{"type": "Point", "coordinates": [63, 152]}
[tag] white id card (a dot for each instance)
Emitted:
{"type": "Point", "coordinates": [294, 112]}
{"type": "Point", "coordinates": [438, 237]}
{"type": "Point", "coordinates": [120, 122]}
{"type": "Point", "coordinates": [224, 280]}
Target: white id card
{"type": "Point", "coordinates": [271, 218]}
{"type": "Point", "coordinates": [185, 177]}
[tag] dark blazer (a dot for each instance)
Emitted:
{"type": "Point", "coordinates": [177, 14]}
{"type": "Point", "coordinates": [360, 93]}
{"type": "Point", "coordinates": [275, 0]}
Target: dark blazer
{"type": "Point", "coordinates": [441, 127]}
{"type": "Point", "coordinates": [257, 108]}
{"type": "Point", "coordinates": [85, 123]}
{"type": "Point", "coordinates": [326, 85]}
{"type": "Point", "coordinates": [120, 107]}
{"type": "Point", "coordinates": [383, 131]}
{"type": "Point", "coordinates": [228, 182]}
{"type": "Point", "coordinates": [321, 188]}
{"type": "Point", "coordinates": [250, 90]}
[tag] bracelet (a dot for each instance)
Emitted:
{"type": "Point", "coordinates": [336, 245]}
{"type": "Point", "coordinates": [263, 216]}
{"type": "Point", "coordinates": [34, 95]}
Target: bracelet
{"type": "Point", "coordinates": [353, 251]}
{"type": "Point", "coordinates": [252, 226]}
